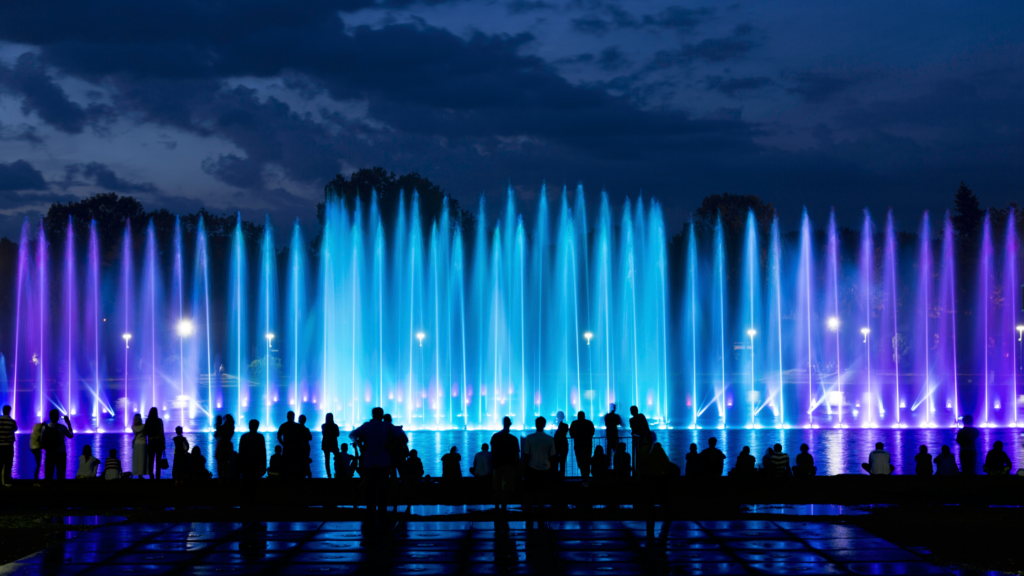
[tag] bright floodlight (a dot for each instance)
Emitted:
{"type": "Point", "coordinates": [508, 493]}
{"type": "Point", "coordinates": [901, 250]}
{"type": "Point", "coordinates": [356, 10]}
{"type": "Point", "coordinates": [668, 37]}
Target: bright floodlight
{"type": "Point", "coordinates": [185, 328]}
{"type": "Point", "coordinates": [270, 336]}
{"type": "Point", "coordinates": [588, 335]}
{"type": "Point", "coordinates": [865, 332]}
{"type": "Point", "coordinates": [751, 332]}
{"type": "Point", "coordinates": [126, 336]}
{"type": "Point", "coordinates": [833, 323]}
{"type": "Point", "coordinates": [420, 336]}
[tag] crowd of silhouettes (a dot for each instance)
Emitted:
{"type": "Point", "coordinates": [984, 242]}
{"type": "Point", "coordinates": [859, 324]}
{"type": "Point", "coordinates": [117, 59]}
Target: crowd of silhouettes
{"type": "Point", "coordinates": [380, 453]}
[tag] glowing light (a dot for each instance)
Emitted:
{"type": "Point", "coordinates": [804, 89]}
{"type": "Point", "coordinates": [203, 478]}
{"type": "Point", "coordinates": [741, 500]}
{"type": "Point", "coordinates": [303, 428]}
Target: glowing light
{"type": "Point", "coordinates": [270, 336]}
{"type": "Point", "coordinates": [588, 335]}
{"type": "Point", "coordinates": [420, 336]}
{"type": "Point", "coordinates": [185, 328]}
{"type": "Point", "coordinates": [751, 332]}
{"type": "Point", "coordinates": [833, 323]}
{"type": "Point", "coordinates": [865, 331]}
{"type": "Point", "coordinates": [1020, 333]}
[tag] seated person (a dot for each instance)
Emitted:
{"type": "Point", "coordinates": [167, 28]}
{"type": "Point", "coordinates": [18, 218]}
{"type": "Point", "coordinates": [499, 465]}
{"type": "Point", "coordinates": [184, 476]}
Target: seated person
{"type": "Point", "coordinates": [997, 463]}
{"type": "Point", "coordinates": [344, 464]}
{"type": "Point", "coordinates": [657, 463]}
{"type": "Point", "coordinates": [745, 464]}
{"type": "Point", "coordinates": [923, 462]}
{"type": "Point", "coordinates": [780, 462]}
{"type": "Point", "coordinates": [878, 462]}
{"type": "Point", "coordinates": [88, 465]}
{"type": "Point", "coordinates": [198, 461]}
{"type": "Point", "coordinates": [451, 464]}
{"type": "Point", "coordinates": [414, 466]}
{"type": "Point", "coordinates": [599, 463]}
{"type": "Point", "coordinates": [276, 468]}
{"type": "Point", "coordinates": [112, 466]}
{"type": "Point", "coordinates": [766, 462]}
{"type": "Point", "coordinates": [804, 463]}
{"type": "Point", "coordinates": [623, 462]}
{"type": "Point", "coordinates": [481, 467]}
{"type": "Point", "coordinates": [945, 463]}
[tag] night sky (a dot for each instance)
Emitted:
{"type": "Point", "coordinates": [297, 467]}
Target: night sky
{"type": "Point", "coordinates": [255, 104]}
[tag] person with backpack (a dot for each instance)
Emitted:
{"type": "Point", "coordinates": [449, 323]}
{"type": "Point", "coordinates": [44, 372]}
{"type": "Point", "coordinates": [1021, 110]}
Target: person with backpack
{"type": "Point", "coordinates": [398, 448]}
{"type": "Point", "coordinates": [374, 437]}
{"type": "Point", "coordinates": [54, 434]}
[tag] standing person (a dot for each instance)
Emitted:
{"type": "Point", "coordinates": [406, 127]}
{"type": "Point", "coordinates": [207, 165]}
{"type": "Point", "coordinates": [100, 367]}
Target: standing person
{"type": "Point", "coordinates": [252, 452]}
{"type": "Point", "coordinates": [224, 450]}
{"type": "Point", "coordinates": [88, 465]}
{"type": "Point", "coordinates": [7, 429]}
{"type": "Point", "coordinates": [156, 443]}
{"type": "Point", "coordinates": [304, 448]}
{"type": "Point", "coordinates": [375, 462]}
{"type": "Point", "coordinates": [693, 461]}
{"type": "Point", "coordinates": [482, 463]}
{"type": "Point", "coordinates": [561, 443]}
{"type": "Point", "coordinates": [180, 468]}
{"type": "Point", "coordinates": [329, 441]}
{"type": "Point", "coordinates": [139, 457]}
{"type": "Point", "coordinates": [451, 464]}
{"type": "Point", "coordinates": [539, 451]}
{"type": "Point", "coordinates": [804, 463]}
{"type": "Point", "coordinates": [35, 445]}
{"type": "Point", "coordinates": [398, 448]}
{"type": "Point", "coordinates": [923, 462]}
{"type": "Point", "coordinates": [879, 462]}
{"type": "Point", "coordinates": [53, 442]}
{"type": "Point", "coordinates": [612, 421]}
{"type": "Point", "coordinates": [712, 460]}
{"type": "Point", "coordinates": [582, 432]}
{"type": "Point", "coordinates": [504, 470]}
{"type": "Point", "coordinates": [780, 462]}
{"type": "Point", "coordinates": [967, 438]}
{"type": "Point", "coordinates": [288, 436]}
{"type": "Point", "coordinates": [642, 440]}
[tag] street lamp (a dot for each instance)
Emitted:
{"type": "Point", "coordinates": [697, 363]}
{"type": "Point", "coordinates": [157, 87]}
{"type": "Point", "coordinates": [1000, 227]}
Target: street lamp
{"type": "Point", "coordinates": [865, 332]}
{"type": "Point", "coordinates": [420, 336]}
{"type": "Point", "coordinates": [185, 328]}
{"type": "Point", "coordinates": [1020, 333]}
{"type": "Point", "coordinates": [126, 337]}
{"type": "Point", "coordinates": [588, 335]}
{"type": "Point", "coordinates": [833, 323]}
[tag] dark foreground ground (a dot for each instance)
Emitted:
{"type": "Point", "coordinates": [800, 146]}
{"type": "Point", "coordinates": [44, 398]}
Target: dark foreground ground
{"type": "Point", "coordinates": [959, 523]}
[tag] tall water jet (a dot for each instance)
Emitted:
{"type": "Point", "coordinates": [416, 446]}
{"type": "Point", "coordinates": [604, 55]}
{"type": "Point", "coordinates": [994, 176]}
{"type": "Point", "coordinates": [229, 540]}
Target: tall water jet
{"type": "Point", "coordinates": [237, 325]}
{"type": "Point", "coordinates": [984, 309]}
{"type": "Point", "coordinates": [866, 270]}
{"type": "Point", "coordinates": [691, 319]}
{"type": "Point", "coordinates": [834, 322]}
{"type": "Point", "coordinates": [1010, 334]}
{"type": "Point", "coordinates": [296, 315]}
{"type": "Point", "coordinates": [804, 315]}
{"type": "Point", "coordinates": [24, 255]}
{"type": "Point", "coordinates": [94, 319]}
{"type": "Point", "coordinates": [892, 341]}
{"type": "Point", "coordinates": [152, 308]}
{"type": "Point", "coordinates": [603, 301]}
{"type": "Point", "coordinates": [924, 328]}
{"type": "Point", "coordinates": [71, 322]}
{"type": "Point", "coordinates": [775, 325]}
{"type": "Point", "coordinates": [42, 297]}
{"type": "Point", "coordinates": [201, 307]}
{"type": "Point", "coordinates": [947, 352]}
{"type": "Point", "coordinates": [750, 318]}
{"type": "Point", "coordinates": [267, 315]}
{"type": "Point", "coordinates": [127, 312]}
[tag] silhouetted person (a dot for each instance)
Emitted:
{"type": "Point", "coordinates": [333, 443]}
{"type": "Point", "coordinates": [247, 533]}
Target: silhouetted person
{"type": "Point", "coordinates": [804, 463]}
{"type": "Point", "coordinates": [599, 463]}
{"type": "Point", "coordinates": [582, 432]}
{"type": "Point", "coordinates": [7, 429]}
{"type": "Point", "coordinates": [398, 448]}
{"type": "Point", "coordinates": [658, 464]}
{"type": "Point", "coordinates": [305, 449]}
{"type": "Point", "coordinates": [451, 464]}
{"type": "Point", "coordinates": [539, 452]}
{"type": "Point", "coordinates": [224, 449]}
{"type": "Point", "coordinates": [623, 462]}
{"type": "Point", "coordinates": [481, 463]}
{"type": "Point", "coordinates": [413, 468]}
{"type": "Point", "coordinates": [88, 465]}
{"type": "Point", "coordinates": [112, 466]}
{"type": "Point", "coordinates": [277, 467]}
{"type": "Point", "coordinates": [766, 462]}
{"type": "Point", "coordinates": [642, 437]}
{"type": "Point", "coordinates": [967, 438]}
{"type": "Point", "coordinates": [561, 438]}
{"type": "Point", "coordinates": [156, 443]}
{"type": "Point", "coordinates": [997, 463]}
{"type": "Point", "coordinates": [54, 434]}
{"type": "Point", "coordinates": [139, 457]}
{"type": "Point", "coordinates": [693, 462]}
{"type": "Point", "coordinates": [344, 464]}
{"type": "Point", "coordinates": [923, 462]}
{"type": "Point", "coordinates": [712, 460]}
{"type": "Point", "coordinates": [290, 436]}
{"type": "Point", "coordinates": [780, 462]}
{"type": "Point", "coordinates": [329, 441]}
{"type": "Point", "coordinates": [612, 421]}
{"type": "Point", "coordinates": [252, 452]}
{"type": "Point", "coordinates": [179, 470]}
{"type": "Point", "coordinates": [198, 462]}
{"type": "Point", "coordinates": [35, 445]}
{"type": "Point", "coordinates": [878, 462]}
{"type": "Point", "coordinates": [504, 469]}
{"type": "Point", "coordinates": [746, 464]}
{"type": "Point", "coordinates": [945, 463]}
{"type": "Point", "coordinates": [375, 461]}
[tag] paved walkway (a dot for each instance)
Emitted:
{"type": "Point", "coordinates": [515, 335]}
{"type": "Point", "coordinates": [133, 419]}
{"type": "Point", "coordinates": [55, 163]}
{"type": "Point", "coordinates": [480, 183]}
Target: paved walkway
{"type": "Point", "coordinates": [464, 547]}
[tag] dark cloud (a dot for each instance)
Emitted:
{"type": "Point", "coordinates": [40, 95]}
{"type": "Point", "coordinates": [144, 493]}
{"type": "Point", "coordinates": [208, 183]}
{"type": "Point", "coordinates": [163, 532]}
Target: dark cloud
{"type": "Point", "coordinates": [21, 132]}
{"type": "Point", "coordinates": [817, 87]}
{"type": "Point", "coordinates": [615, 17]}
{"type": "Point", "coordinates": [524, 6]}
{"type": "Point", "coordinates": [41, 95]}
{"type": "Point", "coordinates": [20, 175]}
{"type": "Point", "coordinates": [612, 58]}
{"type": "Point", "coordinates": [678, 18]}
{"type": "Point", "coordinates": [732, 86]}
{"type": "Point", "coordinates": [739, 44]}
{"type": "Point", "coordinates": [591, 25]}
{"type": "Point", "coordinates": [100, 175]}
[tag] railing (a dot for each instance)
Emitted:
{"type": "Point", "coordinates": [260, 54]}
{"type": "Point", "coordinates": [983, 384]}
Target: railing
{"type": "Point", "coordinates": [572, 469]}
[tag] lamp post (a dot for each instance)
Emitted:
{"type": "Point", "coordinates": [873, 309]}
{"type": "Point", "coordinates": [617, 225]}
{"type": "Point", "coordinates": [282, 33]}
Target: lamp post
{"type": "Point", "coordinates": [751, 332]}
{"type": "Point", "coordinates": [867, 353]}
{"type": "Point", "coordinates": [270, 341]}
{"type": "Point", "coordinates": [126, 337]}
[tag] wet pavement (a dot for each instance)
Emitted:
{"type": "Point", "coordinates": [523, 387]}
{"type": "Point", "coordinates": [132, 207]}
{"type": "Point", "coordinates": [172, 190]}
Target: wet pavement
{"type": "Point", "coordinates": [467, 547]}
